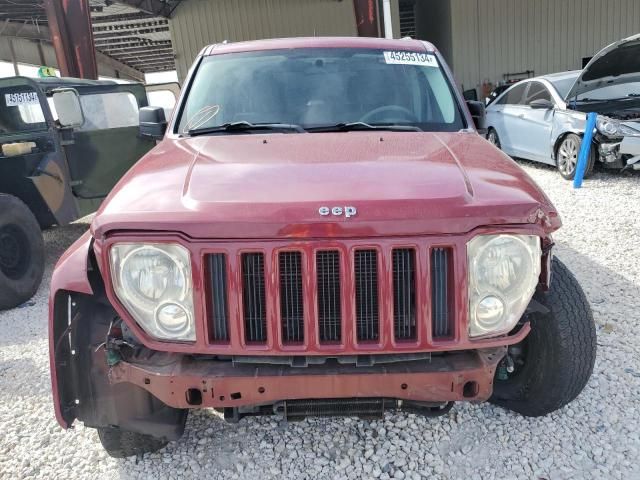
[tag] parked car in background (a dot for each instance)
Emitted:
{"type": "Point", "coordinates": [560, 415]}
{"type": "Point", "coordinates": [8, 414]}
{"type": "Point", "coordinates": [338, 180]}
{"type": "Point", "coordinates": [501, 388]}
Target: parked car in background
{"type": "Point", "coordinates": [495, 93]}
{"type": "Point", "coordinates": [320, 231]}
{"type": "Point", "coordinates": [64, 143]}
{"type": "Point", "coordinates": [543, 118]}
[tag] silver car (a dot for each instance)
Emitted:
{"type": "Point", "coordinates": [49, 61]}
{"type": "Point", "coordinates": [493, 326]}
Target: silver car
{"type": "Point", "coordinates": [544, 118]}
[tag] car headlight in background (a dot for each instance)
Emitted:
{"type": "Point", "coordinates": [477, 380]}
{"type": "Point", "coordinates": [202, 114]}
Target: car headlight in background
{"type": "Point", "coordinates": [613, 128]}
{"type": "Point", "coordinates": [153, 282]}
{"type": "Point", "coordinates": [503, 275]}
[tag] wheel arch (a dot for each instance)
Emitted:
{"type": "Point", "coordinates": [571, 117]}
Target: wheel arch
{"type": "Point", "coordinates": [80, 318]}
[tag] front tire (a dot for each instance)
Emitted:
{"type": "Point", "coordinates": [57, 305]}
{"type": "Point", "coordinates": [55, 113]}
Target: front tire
{"type": "Point", "coordinates": [21, 252]}
{"type": "Point", "coordinates": [555, 361]}
{"type": "Point", "coordinates": [493, 138]}
{"type": "Point", "coordinates": [567, 154]}
{"type": "Point", "coordinates": [122, 443]}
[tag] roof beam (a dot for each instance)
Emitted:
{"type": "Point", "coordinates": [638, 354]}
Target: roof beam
{"type": "Point", "coordinates": [151, 54]}
{"type": "Point", "coordinates": [123, 17]}
{"type": "Point", "coordinates": [144, 65]}
{"type": "Point", "coordinates": [135, 46]}
{"type": "Point", "coordinates": [141, 31]}
{"type": "Point", "coordinates": [123, 27]}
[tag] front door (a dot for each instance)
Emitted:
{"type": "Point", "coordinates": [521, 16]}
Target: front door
{"type": "Point", "coordinates": [535, 124]}
{"type": "Point", "coordinates": [101, 151]}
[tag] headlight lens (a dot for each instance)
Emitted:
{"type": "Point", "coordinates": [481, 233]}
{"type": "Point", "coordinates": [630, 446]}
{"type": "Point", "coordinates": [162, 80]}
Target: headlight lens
{"type": "Point", "coordinates": [153, 281]}
{"type": "Point", "coordinates": [503, 275]}
{"type": "Point", "coordinates": [613, 128]}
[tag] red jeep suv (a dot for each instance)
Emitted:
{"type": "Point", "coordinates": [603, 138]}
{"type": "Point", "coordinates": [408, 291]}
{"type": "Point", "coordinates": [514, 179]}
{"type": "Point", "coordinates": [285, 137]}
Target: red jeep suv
{"type": "Point", "coordinates": [319, 231]}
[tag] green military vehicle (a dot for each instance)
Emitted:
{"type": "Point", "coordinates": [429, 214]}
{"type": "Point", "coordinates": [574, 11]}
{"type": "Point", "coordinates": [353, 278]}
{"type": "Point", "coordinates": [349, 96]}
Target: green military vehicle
{"type": "Point", "coordinates": [64, 143]}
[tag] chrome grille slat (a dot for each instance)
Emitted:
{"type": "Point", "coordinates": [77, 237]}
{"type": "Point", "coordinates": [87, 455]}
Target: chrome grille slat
{"type": "Point", "coordinates": [440, 300]}
{"type": "Point", "coordinates": [404, 294]}
{"type": "Point", "coordinates": [291, 298]}
{"type": "Point", "coordinates": [328, 287]}
{"type": "Point", "coordinates": [366, 283]}
{"type": "Point", "coordinates": [217, 268]}
{"type": "Point", "coordinates": [253, 297]}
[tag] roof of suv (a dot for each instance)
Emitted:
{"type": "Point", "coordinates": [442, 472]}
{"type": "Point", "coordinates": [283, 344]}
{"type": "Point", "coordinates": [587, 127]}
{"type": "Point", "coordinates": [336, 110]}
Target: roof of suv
{"type": "Point", "coordinates": [319, 42]}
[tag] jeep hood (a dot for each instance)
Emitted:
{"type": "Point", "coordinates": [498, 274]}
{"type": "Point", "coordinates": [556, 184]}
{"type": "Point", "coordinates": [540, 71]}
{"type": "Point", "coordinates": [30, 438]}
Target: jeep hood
{"type": "Point", "coordinates": [613, 65]}
{"type": "Point", "coordinates": [272, 186]}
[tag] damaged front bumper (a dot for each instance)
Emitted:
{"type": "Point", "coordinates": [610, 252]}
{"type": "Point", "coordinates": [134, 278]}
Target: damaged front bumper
{"type": "Point", "coordinates": [624, 154]}
{"type": "Point", "coordinates": [187, 382]}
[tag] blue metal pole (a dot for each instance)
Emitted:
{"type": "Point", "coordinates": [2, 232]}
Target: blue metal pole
{"type": "Point", "coordinates": [585, 150]}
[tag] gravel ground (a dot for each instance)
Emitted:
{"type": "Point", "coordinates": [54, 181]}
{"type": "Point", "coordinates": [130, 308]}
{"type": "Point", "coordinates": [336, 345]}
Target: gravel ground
{"type": "Point", "coordinates": [597, 436]}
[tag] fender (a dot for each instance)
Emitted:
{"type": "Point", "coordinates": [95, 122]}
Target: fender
{"type": "Point", "coordinates": [70, 274]}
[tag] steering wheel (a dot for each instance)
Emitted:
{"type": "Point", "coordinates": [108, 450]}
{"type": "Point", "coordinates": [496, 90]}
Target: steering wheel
{"type": "Point", "coordinates": [407, 115]}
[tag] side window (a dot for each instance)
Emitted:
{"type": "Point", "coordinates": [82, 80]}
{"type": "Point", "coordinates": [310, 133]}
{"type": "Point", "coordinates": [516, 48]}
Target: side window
{"type": "Point", "coordinates": [109, 110]}
{"type": "Point", "coordinates": [514, 96]}
{"type": "Point", "coordinates": [20, 110]}
{"type": "Point", "coordinates": [537, 91]}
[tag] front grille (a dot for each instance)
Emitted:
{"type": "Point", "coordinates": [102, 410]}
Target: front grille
{"type": "Point", "coordinates": [217, 270]}
{"type": "Point", "coordinates": [441, 318]}
{"type": "Point", "coordinates": [291, 301]}
{"type": "Point", "coordinates": [253, 297]}
{"type": "Point", "coordinates": [404, 294]}
{"type": "Point", "coordinates": [328, 288]}
{"type": "Point", "coordinates": [332, 297]}
{"type": "Point", "coordinates": [366, 280]}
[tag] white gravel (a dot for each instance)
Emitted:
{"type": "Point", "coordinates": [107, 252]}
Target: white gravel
{"type": "Point", "coordinates": [597, 436]}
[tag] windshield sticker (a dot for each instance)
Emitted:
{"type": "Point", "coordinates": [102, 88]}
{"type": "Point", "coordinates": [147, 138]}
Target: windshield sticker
{"type": "Point", "coordinates": [410, 58]}
{"type": "Point", "coordinates": [201, 117]}
{"type": "Point", "coordinates": [24, 98]}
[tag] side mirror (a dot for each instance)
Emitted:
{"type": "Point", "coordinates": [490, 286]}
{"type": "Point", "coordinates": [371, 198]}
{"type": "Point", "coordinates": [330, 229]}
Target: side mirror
{"type": "Point", "coordinates": [476, 109]}
{"type": "Point", "coordinates": [153, 122]}
{"type": "Point", "coordinates": [67, 104]}
{"type": "Point", "coordinates": [541, 104]}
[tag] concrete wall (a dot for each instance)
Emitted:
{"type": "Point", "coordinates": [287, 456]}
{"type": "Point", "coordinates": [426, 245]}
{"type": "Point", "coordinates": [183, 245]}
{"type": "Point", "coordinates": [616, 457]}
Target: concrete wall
{"type": "Point", "coordinates": [493, 37]}
{"type": "Point", "coordinates": [196, 23]}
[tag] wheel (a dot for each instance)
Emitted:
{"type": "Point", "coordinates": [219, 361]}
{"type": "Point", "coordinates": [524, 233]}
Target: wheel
{"type": "Point", "coordinates": [122, 443]}
{"type": "Point", "coordinates": [553, 364]}
{"type": "Point", "coordinates": [21, 252]}
{"type": "Point", "coordinates": [567, 157]}
{"type": "Point", "coordinates": [492, 137]}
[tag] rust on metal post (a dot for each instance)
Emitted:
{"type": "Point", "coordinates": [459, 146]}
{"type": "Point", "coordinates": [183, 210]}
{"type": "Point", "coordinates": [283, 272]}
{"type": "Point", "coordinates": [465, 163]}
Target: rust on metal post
{"type": "Point", "coordinates": [72, 37]}
{"type": "Point", "coordinates": [367, 18]}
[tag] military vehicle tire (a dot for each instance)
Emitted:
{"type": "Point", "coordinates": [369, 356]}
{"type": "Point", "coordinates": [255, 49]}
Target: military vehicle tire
{"type": "Point", "coordinates": [21, 252]}
{"type": "Point", "coordinates": [553, 364]}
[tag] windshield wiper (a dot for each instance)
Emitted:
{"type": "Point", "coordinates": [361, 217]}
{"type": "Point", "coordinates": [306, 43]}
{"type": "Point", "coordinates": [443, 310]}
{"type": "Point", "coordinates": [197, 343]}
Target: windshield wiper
{"type": "Point", "coordinates": [347, 127]}
{"type": "Point", "coordinates": [245, 127]}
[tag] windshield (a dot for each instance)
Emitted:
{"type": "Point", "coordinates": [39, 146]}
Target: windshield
{"type": "Point", "coordinates": [563, 84]}
{"type": "Point", "coordinates": [613, 92]}
{"type": "Point", "coordinates": [316, 87]}
{"type": "Point", "coordinates": [20, 110]}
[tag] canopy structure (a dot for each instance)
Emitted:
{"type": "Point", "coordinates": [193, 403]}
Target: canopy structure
{"type": "Point", "coordinates": [133, 33]}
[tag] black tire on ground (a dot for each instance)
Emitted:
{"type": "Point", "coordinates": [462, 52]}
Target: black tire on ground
{"type": "Point", "coordinates": [566, 156]}
{"type": "Point", "coordinates": [122, 443]}
{"type": "Point", "coordinates": [21, 252]}
{"type": "Point", "coordinates": [493, 138]}
{"type": "Point", "coordinates": [558, 354]}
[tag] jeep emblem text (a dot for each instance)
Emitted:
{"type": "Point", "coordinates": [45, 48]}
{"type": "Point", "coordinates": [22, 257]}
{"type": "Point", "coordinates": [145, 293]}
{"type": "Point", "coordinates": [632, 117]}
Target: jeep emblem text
{"type": "Point", "coordinates": [338, 211]}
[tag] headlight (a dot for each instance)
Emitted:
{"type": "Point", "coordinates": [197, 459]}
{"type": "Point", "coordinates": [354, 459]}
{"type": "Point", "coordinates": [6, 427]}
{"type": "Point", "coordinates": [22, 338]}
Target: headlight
{"type": "Point", "coordinates": [153, 282]}
{"type": "Point", "coordinates": [503, 275]}
{"type": "Point", "coordinates": [613, 128]}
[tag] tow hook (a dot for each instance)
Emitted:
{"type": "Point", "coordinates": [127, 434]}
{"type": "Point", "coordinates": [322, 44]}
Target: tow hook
{"type": "Point", "coordinates": [505, 367]}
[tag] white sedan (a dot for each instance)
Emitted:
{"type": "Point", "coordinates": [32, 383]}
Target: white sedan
{"type": "Point", "coordinates": [544, 118]}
